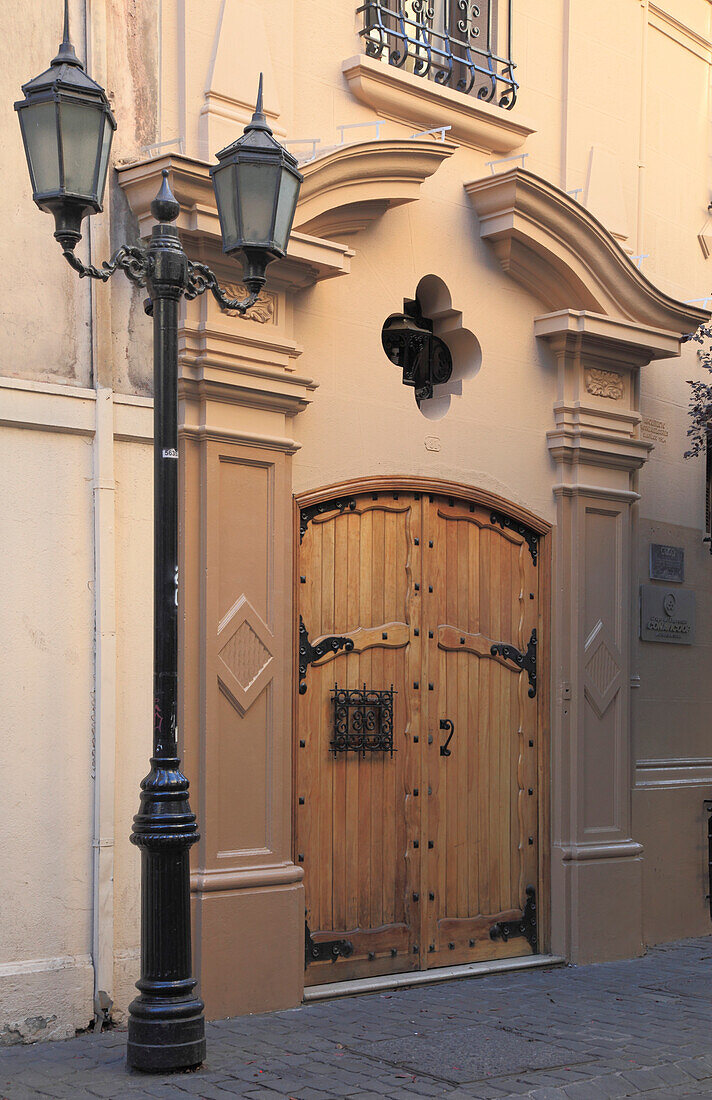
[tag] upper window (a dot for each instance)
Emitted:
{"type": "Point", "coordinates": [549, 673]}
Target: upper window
{"type": "Point", "coordinates": [464, 45]}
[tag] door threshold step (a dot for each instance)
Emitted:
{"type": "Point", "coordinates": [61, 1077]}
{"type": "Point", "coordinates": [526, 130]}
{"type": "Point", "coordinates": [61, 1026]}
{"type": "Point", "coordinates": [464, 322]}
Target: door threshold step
{"type": "Point", "coordinates": [427, 977]}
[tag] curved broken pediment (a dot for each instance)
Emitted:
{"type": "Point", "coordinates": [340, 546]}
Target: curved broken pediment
{"type": "Point", "coordinates": [345, 190]}
{"type": "Point", "coordinates": [559, 251]}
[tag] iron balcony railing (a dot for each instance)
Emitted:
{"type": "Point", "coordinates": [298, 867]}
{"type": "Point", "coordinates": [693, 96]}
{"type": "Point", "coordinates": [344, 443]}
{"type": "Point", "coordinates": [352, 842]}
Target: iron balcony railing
{"type": "Point", "coordinates": [453, 42]}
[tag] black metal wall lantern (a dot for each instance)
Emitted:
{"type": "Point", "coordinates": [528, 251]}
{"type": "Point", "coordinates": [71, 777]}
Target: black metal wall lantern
{"type": "Point", "coordinates": [67, 127]}
{"type": "Point", "coordinates": [410, 343]}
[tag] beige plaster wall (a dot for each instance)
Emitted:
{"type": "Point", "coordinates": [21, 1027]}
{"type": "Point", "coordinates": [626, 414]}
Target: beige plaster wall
{"type": "Point", "coordinates": [134, 670]}
{"type": "Point", "coordinates": [673, 763]}
{"type": "Point", "coordinates": [46, 617]}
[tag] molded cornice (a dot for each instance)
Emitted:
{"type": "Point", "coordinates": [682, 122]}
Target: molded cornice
{"type": "Point", "coordinates": [561, 253]}
{"type": "Point", "coordinates": [425, 105]}
{"type": "Point", "coordinates": [344, 191]}
{"type": "Point", "coordinates": [309, 259]}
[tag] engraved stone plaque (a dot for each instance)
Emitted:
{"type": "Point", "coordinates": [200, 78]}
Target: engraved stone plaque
{"type": "Point", "coordinates": [667, 563]}
{"type": "Point", "coordinates": [654, 430]}
{"type": "Point", "coordinates": [667, 615]}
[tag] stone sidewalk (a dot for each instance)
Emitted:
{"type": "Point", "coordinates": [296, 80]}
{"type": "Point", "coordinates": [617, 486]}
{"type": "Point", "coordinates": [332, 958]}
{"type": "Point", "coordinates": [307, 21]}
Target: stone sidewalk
{"type": "Point", "coordinates": [642, 1027]}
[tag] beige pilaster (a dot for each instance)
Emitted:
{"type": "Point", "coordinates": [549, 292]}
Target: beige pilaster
{"type": "Point", "coordinates": [597, 902]}
{"type": "Point", "coordinates": [237, 403]}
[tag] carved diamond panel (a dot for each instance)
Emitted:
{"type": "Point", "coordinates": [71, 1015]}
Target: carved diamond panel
{"type": "Point", "coordinates": [244, 654]}
{"type": "Point", "coordinates": [602, 669]}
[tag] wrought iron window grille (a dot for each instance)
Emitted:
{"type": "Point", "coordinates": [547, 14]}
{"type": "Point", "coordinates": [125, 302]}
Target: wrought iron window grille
{"type": "Point", "coordinates": [363, 720]}
{"type": "Point", "coordinates": [453, 42]}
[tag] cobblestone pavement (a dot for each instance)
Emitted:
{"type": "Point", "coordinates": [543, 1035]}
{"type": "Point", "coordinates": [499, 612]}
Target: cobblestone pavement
{"type": "Point", "coordinates": [641, 1027]}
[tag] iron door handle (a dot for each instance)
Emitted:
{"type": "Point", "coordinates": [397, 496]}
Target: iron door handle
{"type": "Point", "coordinates": [446, 724]}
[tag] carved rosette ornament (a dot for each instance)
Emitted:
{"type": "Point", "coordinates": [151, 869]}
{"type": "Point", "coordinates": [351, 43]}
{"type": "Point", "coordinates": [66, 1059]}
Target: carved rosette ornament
{"type": "Point", "coordinates": [263, 311]}
{"type": "Point", "coordinates": [604, 383]}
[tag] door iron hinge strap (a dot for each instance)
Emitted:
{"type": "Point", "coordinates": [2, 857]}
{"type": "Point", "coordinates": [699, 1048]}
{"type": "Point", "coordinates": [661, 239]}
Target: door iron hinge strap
{"type": "Point", "coordinates": [525, 661]}
{"type": "Point", "coordinates": [325, 950]}
{"type": "Point", "coordinates": [307, 514]}
{"type": "Point", "coordinates": [525, 926]}
{"type": "Point", "coordinates": [531, 537]}
{"type": "Point", "coordinates": [309, 653]}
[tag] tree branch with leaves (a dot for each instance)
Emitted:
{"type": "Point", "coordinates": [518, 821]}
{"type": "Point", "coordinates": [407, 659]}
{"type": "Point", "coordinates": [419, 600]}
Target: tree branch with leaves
{"type": "Point", "coordinates": [700, 407]}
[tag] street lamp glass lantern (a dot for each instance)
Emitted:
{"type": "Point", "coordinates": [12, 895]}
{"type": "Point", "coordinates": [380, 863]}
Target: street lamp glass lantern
{"type": "Point", "coordinates": [256, 183]}
{"type": "Point", "coordinates": [67, 128]}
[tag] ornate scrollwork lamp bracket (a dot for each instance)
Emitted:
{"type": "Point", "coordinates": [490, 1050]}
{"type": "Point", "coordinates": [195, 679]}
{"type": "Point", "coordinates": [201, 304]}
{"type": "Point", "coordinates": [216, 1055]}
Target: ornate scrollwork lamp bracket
{"type": "Point", "coordinates": [136, 263]}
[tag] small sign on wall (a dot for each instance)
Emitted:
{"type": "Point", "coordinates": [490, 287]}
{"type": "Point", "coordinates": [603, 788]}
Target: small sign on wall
{"type": "Point", "coordinates": [667, 615]}
{"type": "Point", "coordinates": [667, 563]}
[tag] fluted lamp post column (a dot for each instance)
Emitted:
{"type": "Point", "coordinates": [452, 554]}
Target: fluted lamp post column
{"type": "Point", "coordinates": [67, 128]}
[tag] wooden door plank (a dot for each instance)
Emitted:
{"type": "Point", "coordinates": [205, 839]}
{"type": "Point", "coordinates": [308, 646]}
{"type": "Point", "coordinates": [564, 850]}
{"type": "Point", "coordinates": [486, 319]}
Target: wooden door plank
{"type": "Point", "coordinates": [473, 720]}
{"type": "Point", "coordinates": [392, 806]}
{"type": "Point", "coordinates": [518, 827]}
{"type": "Point", "coordinates": [377, 763]}
{"type": "Point", "coordinates": [325, 757]}
{"type": "Point", "coordinates": [466, 744]}
{"type": "Point", "coordinates": [414, 735]}
{"type": "Point", "coordinates": [448, 843]}
{"type": "Point", "coordinates": [507, 736]}
{"type": "Point", "coordinates": [353, 618]}
{"type": "Point", "coordinates": [362, 870]}
{"type": "Point", "coordinates": [339, 762]}
{"type": "Point", "coordinates": [310, 735]}
{"type": "Point", "coordinates": [493, 863]}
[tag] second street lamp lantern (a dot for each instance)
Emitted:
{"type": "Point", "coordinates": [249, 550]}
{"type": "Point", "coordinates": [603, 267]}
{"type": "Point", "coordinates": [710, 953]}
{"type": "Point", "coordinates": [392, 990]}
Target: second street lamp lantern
{"type": "Point", "coordinates": [67, 128]}
{"type": "Point", "coordinates": [256, 185]}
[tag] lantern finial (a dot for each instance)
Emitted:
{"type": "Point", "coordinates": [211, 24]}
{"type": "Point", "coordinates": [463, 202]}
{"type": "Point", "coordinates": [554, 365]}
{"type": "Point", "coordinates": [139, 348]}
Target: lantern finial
{"type": "Point", "coordinates": [165, 207]}
{"type": "Point", "coordinates": [66, 54]}
{"type": "Point", "coordinates": [259, 119]}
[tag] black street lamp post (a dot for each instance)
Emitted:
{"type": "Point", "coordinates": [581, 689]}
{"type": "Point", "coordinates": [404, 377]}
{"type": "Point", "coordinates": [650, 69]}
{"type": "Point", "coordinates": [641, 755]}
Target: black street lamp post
{"type": "Point", "coordinates": [67, 128]}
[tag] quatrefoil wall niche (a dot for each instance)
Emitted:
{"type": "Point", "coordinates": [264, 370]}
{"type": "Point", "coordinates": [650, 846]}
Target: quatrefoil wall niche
{"type": "Point", "coordinates": [428, 342]}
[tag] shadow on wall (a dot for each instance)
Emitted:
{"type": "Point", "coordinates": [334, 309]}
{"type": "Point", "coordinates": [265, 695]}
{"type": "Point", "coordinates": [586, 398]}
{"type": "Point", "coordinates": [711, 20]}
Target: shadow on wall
{"type": "Point", "coordinates": [436, 303]}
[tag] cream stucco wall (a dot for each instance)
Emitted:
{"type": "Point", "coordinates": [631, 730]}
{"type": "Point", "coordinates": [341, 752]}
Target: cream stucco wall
{"type": "Point", "coordinates": [617, 95]}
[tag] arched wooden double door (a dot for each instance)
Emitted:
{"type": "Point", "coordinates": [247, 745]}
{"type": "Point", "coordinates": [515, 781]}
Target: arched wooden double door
{"type": "Point", "coordinates": [416, 812]}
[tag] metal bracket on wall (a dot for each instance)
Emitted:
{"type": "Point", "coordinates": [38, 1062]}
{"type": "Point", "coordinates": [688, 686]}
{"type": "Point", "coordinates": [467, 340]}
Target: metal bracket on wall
{"type": "Point", "coordinates": [307, 514]}
{"type": "Point", "coordinates": [525, 661]}
{"type": "Point", "coordinates": [325, 950]}
{"type": "Point", "coordinates": [531, 537]}
{"type": "Point", "coordinates": [525, 926]}
{"type": "Point", "coordinates": [309, 653]}
{"type": "Point", "coordinates": [708, 807]}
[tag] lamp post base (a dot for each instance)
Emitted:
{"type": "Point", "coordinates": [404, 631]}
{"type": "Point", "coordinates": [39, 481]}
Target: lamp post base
{"type": "Point", "coordinates": [164, 1038]}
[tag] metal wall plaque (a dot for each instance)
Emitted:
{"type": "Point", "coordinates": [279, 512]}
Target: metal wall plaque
{"type": "Point", "coordinates": [667, 615]}
{"type": "Point", "coordinates": [667, 563]}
